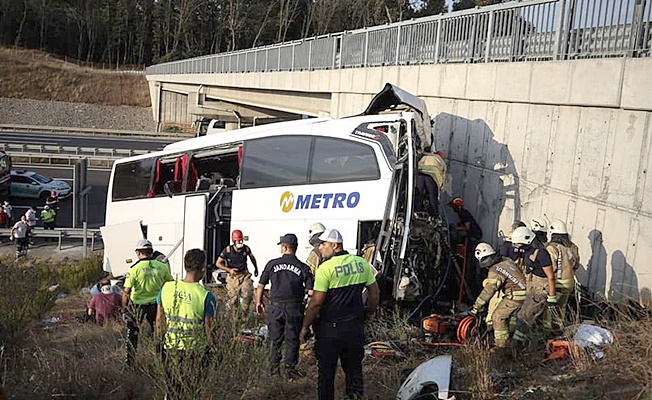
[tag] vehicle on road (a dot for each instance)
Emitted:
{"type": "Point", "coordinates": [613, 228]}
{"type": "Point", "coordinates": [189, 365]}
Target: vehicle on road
{"type": "Point", "coordinates": [5, 174]}
{"type": "Point", "coordinates": [356, 174]}
{"type": "Point", "coordinates": [34, 185]}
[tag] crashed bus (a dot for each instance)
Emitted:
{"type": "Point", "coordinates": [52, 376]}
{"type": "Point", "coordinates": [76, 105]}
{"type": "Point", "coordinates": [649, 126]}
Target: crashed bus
{"type": "Point", "coordinates": [356, 174]}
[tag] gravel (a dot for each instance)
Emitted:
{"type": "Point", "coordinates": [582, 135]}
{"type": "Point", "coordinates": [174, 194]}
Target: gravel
{"type": "Point", "coordinates": [75, 115]}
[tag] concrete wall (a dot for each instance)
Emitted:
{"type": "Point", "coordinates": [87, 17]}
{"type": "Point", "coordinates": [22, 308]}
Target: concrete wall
{"type": "Point", "coordinates": [567, 139]}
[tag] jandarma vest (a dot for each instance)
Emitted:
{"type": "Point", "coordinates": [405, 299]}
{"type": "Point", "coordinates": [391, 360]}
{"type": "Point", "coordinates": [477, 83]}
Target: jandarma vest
{"type": "Point", "coordinates": [183, 303]}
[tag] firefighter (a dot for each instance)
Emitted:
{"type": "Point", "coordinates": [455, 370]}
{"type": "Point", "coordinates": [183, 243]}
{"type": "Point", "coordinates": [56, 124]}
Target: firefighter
{"type": "Point", "coordinates": [314, 258]}
{"type": "Point", "coordinates": [506, 249]}
{"type": "Point", "coordinates": [429, 183]}
{"type": "Point", "coordinates": [565, 259]}
{"type": "Point", "coordinates": [540, 277]}
{"type": "Point", "coordinates": [233, 259]}
{"type": "Point", "coordinates": [539, 226]}
{"type": "Point", "coordinates": [503, 275]}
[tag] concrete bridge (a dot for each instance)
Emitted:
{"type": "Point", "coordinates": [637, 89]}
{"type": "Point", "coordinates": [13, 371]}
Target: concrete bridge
{"type": "Point", "coordinates": [544, 108]}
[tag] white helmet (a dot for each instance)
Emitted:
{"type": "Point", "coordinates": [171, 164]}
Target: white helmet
{"type": "Point", "coordinates": [483, 250]}
{"type": "Point", "coordinates": [558, 226]}
{"type": "Point", "coordinates": [316, 228]}
{"type": "Point", "coordinates": [539, 224]}
{"type": "Point", "coordinates": [522, 235]}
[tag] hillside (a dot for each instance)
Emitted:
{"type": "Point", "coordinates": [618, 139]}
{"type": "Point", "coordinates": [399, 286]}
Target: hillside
{"type": "Point", "coordinates": [29, 74]}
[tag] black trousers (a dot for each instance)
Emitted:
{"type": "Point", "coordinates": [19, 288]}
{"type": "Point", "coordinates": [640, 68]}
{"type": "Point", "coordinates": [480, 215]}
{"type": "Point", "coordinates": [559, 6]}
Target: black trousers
{"type": "Point", "coordinates": [343, 341]}
{"type": "Point", "coordinates": [138, 312]}
{"type": "Point", "coordinates": [284, 324]}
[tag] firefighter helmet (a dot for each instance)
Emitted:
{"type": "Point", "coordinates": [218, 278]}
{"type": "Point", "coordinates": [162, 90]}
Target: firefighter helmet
{"type": "Point", "coordinates": [522, 235]}
{"type": "Point", "coordinates": [483, 250]}
{"type": "Point", "coordinates": [558, 226]}
{"type": "Point", "coordinates": [237, 235]}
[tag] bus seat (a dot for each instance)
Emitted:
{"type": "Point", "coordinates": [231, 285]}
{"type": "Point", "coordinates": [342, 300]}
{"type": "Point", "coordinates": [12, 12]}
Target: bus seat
{"type": "Point", "coordinates": [228, 182]}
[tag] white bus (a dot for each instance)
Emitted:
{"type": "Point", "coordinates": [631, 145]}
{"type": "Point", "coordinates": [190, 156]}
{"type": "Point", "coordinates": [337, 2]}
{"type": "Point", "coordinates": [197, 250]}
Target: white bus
{"type": "Point", "coordinates": [271, 180]}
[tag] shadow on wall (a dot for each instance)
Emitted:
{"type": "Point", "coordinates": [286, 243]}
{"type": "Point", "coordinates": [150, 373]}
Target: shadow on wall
{"type": "Point", "coordinates": [594, 274]}
{"type": "Point", "coordinates": [482, 170]}
{"type": "Point", "coordinates": [624, 282]}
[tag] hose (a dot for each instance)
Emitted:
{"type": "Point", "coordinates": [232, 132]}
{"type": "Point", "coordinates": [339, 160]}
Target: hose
{"type": "Point", "coordinates": [467, 327]}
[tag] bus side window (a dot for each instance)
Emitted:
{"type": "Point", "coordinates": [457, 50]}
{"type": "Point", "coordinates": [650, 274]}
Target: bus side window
{"type": "Point", "coordinates": [213, 169]}
{"type": "Point", "coordinates": [276, 161]}
{"type": "Point", "coordinates": [132, 179]}
{"type": "Point", "coordinates": [336, 160]}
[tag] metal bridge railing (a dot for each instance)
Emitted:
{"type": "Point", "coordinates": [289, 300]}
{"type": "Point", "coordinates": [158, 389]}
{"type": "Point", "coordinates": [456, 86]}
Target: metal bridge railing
{"type": "Point", "coordinates": [509, 32]}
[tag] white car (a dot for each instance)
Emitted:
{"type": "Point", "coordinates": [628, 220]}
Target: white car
{"type": "Point", "coordinates": [33, 185]}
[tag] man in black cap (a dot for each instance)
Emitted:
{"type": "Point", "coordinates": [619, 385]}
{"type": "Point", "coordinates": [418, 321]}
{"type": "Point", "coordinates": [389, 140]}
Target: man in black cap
{"type": "Point", "coordinates": [290, 280]}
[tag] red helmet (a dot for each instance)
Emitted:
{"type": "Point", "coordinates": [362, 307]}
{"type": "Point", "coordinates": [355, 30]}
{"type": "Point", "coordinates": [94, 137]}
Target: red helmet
{"type": "Point", "coordinates": [457, 202]}
{"type": "Point", "coordinates": [441, 154]}
{"type": "Point", "coordinates": [236, 235]}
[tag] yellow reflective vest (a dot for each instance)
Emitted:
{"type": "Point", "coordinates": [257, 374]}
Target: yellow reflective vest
{"type": "Point", "coordinates": [183, 304]}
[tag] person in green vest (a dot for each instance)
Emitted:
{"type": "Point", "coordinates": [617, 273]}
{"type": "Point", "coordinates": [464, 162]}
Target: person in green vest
{"type": "Point", "coordinates": [48, 215]}
{"type": "Point", "coordinates": [144, 281]}
{"type": "Point", "coordinates": [183, 321]}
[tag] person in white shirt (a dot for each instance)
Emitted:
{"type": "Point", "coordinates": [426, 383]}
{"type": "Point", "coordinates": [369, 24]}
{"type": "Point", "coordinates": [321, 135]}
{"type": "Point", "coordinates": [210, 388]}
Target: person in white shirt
{"type": "Point", "coordinates": [20, 232]}
{"type": "Point", "coordinates": [30, 214]}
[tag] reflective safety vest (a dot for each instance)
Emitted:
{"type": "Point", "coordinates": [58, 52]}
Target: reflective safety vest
{"type": "Point", "coordinates": [434, 166]}
{"type": "Point", "coordinates": [47, 216]}
{"type": "Point", "coordinates": [505, 276]}
{"type": "Point", "coordinates": [565, 261]}
{"type": "Point", "coordinates": [183, 304]}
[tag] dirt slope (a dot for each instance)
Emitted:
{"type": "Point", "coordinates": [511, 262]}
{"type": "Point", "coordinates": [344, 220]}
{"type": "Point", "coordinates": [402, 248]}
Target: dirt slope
{"type": "Point", "coordinates": [28, 74]}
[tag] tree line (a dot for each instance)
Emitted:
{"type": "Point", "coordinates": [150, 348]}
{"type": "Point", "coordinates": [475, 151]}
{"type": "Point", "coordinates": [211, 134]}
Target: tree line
{"type": "Point", "coordinates": [154, 31]}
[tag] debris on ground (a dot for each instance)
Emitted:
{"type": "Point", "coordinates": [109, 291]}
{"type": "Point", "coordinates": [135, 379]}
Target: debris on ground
{"type": "Point", "coordinates": [593, 338]}
{"type": "Point", "coordinates": [383, 349]}
{"type": "Point", "coordinates": [436, 371]}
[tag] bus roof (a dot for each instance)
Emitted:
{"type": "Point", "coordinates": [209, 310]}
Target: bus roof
{"type": "Point", "coordinates": [341, 128]}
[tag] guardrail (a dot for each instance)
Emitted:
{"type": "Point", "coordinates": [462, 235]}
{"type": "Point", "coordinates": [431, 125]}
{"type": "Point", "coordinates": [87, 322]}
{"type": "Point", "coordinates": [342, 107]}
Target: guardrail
{"type": "Point", "coordinates": [97, 132]}
{"type": "Point", "coordinates": [66, 155]}
{"type": "Point", "coordinates": [510, 32]}
{"type": "Point", "coordinates": [61, 234]}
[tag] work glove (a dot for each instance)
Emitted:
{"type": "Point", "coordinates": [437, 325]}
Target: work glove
{"type": "Point", "coordinates": [474, 312]}
{"type": "Point", "coordinates": [552, 303]}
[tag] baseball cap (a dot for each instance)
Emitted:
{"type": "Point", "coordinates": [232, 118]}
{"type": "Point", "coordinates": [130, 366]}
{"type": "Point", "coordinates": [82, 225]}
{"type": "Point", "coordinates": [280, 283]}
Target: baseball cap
{"type": "Point", "coordinates": [289, 238]}
{"type": "Point", "coordinates": [143, 244]}
{"type": "Point", "coordinates": [331, 235]}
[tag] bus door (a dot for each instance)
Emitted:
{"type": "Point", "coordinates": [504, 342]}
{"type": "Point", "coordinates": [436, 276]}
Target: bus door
{"type": "Point", "coordinates": [194, 222]}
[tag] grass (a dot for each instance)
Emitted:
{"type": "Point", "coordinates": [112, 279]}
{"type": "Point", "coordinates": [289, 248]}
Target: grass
{"type": "Point", "coordinates": [74, 360]}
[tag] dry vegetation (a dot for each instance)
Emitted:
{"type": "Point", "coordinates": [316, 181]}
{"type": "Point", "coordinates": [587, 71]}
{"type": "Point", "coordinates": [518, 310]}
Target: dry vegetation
{"type": "Point", "coordinates": [75, 360]}
{"type": "Point", "coordinates": [30, 74]}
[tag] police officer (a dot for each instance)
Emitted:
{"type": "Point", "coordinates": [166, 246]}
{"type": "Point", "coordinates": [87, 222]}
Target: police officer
{"type": "Point", "coordinates": [337, 299]}
{"type": "Point", "coordinates": [184, 319]}
{"type": "Point", "coordinates": [233, 259]}
{"type": "Point", "coordinates": [144, 281]}
{"type": "Point", "coordinates": [314, 258]}
{"type": "Point", "coordinates": [565, 258]}
{"type": "Point", "coordinates": [290, 280]}
{"type": "Point", "coordinates": [540, 279]}
{"type": "Point", "coordinates": [503, 276]}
